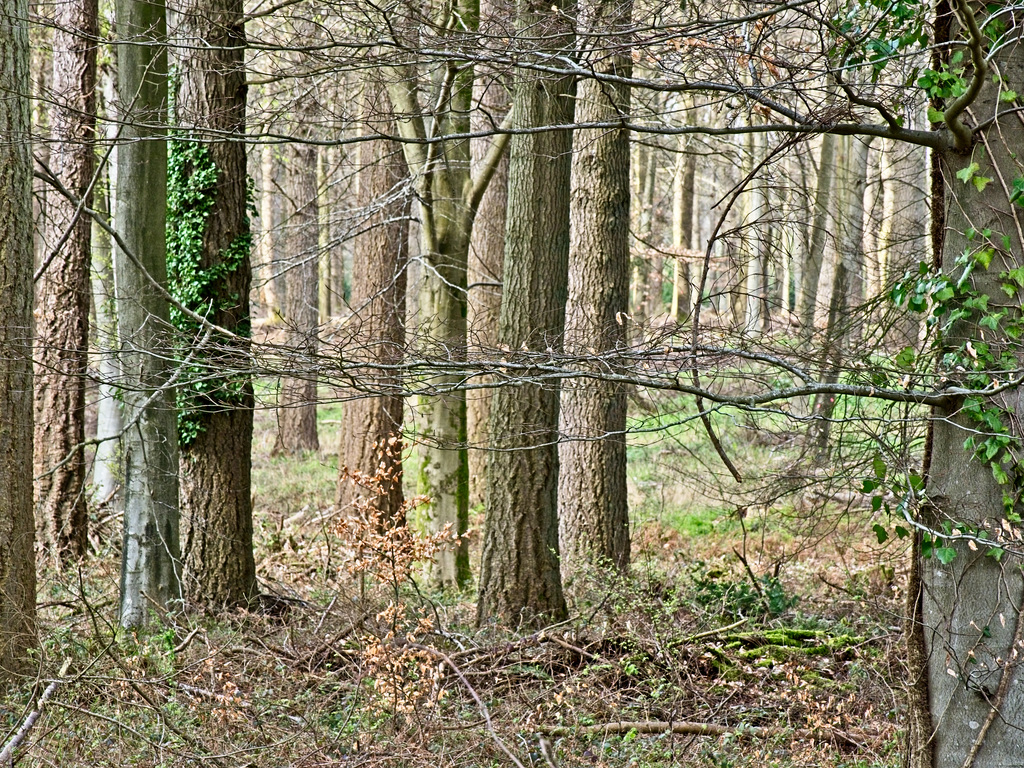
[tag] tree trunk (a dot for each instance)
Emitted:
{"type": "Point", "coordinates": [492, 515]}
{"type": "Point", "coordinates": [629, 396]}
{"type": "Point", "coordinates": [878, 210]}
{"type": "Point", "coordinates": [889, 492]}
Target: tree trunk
{"type": "Point", "coordinates": [682, 234]}
{"type": "Point", "coordinates": [324, 304]}
{"type": "Point", "coordinates": [593, 515]}
{"type": "Point", "coordinates": [755, 317]}
{"type": "Point", "coordinates": [519, 578]}
{"type": "Point", "coordinates": [17, 560]}
{"type": "Point", "coordinates": [371, 428]}
{"type": "Point", "coordinates": [641, 288]}
{"type": "Point", "coordinates": [271, 278]}
{"type": "Point", "coordinates": [846, 283]}
{"type": "Point", "coordinates": [296, 406]}
{"type": "Point", "coordinates": [486, 255]}
{"type": "Point", "coordinates": [445, 230]}
{"type": "Point", "coordinates": [211, 274]}
{"type": "Point", "coordinates": [807, 298]}
{"type": "Point", "coordinates": [150, 556]}
{"type": "Point", "coordinates": [62, 302]}
{"type": "Point", "coordinates": [971, 606]}
{"type": "Point", "coordinates": [106, 474]}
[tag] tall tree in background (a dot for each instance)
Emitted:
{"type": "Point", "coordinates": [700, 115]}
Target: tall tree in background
{"type": "Point", "coordinates": [807, 293]}
{"type": "Point", "coordinates": [106, 475]}
{"type": "Point", "coordinates": [487, 243]}
{"type": "Point", "coordinates": [62, 301]}
{"type": "Point", "coordinates": [371, 428]}
{"type": "Point", "coordinates": [519, 571]}
{"type": "Point", "coordinates": [593, 516]}
{"type": "Point", "coordinates": [150, 555]}
{"type": "Point", "coordinates": [682, 231]}
{"type": "Point", "coordinates": [296, 411]}
{"type": "Point", "coordinates": [449, 196]}
{"type": "Point", "coordinates": [208, 255]}
{"type": "Point", "coordinates": [17, 561]}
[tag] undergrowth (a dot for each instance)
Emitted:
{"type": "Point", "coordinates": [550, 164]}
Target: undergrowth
{"type": "Point", "coordinates": [727, 644]}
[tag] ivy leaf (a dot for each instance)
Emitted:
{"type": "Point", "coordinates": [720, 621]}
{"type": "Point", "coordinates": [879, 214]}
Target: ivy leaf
{"type": "Point", "coordinates": [1017, 195]}
{"type": "Point", "coordinates": [966, 174]}
{"type": "Point", "coordinates": [980, 182]}
{"type": "Point", "coordinates": [878, 464]}
{"type": "Point", "coordinates": [945, 555]}
{"type": "Point", "coordinates": [881, 533]}
{"type": "Point", "coordinates": [935, 115]}
{"type": "Point", "coordinates": [1008, 96]}
{"type": "Point", "coordinates": [906, 357]}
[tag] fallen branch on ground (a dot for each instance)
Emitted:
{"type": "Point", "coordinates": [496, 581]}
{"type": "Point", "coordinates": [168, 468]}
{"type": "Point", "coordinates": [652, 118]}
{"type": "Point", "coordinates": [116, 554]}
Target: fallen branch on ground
{"type": "Point", "coordinates": [7, 754]}
{"type": "Point", "coordinates": [703, 729]}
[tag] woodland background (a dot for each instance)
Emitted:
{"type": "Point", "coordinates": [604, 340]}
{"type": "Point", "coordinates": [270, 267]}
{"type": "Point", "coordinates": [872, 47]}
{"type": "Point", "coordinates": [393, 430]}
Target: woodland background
{"type": "Point", "coordinates": [483, 383]}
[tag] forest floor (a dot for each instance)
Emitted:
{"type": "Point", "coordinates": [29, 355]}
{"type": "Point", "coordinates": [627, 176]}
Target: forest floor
{"type": "Point", "coordinates": [743, 636]}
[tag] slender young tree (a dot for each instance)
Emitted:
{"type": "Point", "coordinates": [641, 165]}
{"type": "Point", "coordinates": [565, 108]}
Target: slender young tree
{"type": "Point", "coordinates": [106, 470]}
{"type": "Point", "coordinates": [519, 572]}
{"type": "Point", "coordinates": [150, 558]}
{"type": "Point", "coordinates": [807, 296]}
{"type": "Point", "coordinates": [17, 561]}
{"type": "Point", "coordinates": [846, 281]}
{"type": "Point", "coordinates": [371, 428]}
{"type": "Point", "coordinates": [62, 301]}
{"type": "Point", "coordinates": [682, 232]}
{"type": "Point", "coordinates": [449, 197]}
{"type": "Point", "coordinates": [593, 515]}
{"type": "Point", "coordinates": [209, 244]}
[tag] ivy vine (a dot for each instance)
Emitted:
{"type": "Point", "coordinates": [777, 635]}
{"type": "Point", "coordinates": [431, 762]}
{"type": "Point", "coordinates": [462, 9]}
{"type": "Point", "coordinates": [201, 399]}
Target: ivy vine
{"type": "Point", "coordinates": [191, 195]}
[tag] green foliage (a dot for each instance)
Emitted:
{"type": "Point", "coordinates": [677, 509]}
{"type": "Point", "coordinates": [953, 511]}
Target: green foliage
{"type": "Point", "coordinates": [970, 342]}
{"type": "Point", "coordinates": [738, 597]}
{"type": "Point", "coordinates": [947, 82]}
{"type": "Point", "coordinates": [191, 195]}
{"type": "Point", "coordinates": [877, 31]}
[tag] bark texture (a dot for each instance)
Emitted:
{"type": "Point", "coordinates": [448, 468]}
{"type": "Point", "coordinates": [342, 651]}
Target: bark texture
{"type": "Point", "coordinates": [971, 607]}
{"type": "Point", "coordinates": [17, 561]}
{"type": "Point", "coordinates": [296, 407]}
{"type": "Point", "coordinates": [519, 578]}
{"type": "Point", "coordinates": [216, 499]}
{"type": "Point", "coordinates": [62, 302]}
{"type": "Point", "coordinates": [593, 515]}
{"type": "Point", "coordinates": [150, 556]}
{"type": "Point", "coordinates": [371, 428]}
{"type": "Point", "coordinates": [486, 247]}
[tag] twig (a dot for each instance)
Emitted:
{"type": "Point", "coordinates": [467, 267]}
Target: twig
{"type": "Point", "coordinates": [476, 697]}
{"type": "Point", "coordinates": [7, 754]}
{"type": "Point", "coordinates": [753, 580]}
{"type": "Point", "coordinates": [187, 641]}
{"type": "Point", "coordinates": [569, 647]}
